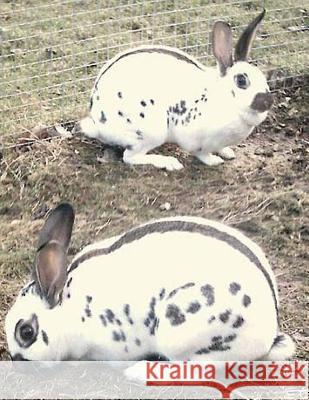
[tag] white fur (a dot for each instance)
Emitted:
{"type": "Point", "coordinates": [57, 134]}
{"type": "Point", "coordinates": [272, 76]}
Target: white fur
{"type": "Point", "coordinates": [282, 350]}
{"type": "Point", "coordinates": [134, 274]}
{"type": "Point", "coordinates": [223, 120]}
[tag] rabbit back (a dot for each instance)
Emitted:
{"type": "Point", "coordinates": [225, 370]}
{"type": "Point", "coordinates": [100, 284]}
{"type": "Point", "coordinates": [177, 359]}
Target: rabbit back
{"type": "Point", "coordinates": [134, 92]}
{"type": "Point", "coordinates": [201, 281]}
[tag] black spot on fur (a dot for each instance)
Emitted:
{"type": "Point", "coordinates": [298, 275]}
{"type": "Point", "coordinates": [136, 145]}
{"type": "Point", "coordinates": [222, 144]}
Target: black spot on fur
{"type": "Point", "coordinates": [238, 322]}
{"type": "Point", "coordinates": [152, 101]}
{"type": "Point", "coordinates": [103, 118]}
{"type": "Point", "coordinates": [230, 338]}
{"type": "Point", "coordinates": [203, 350]}
{"type": "Point", "coordinates": [151, 313]}
{"type": "Point", "coordinates": [193, 307]}
{"type": "Point", "coordinates": [89, 299]}
{"type": "Point", "coordinates": [98, 97]}
{"type": "Point", "coordinates": [151, 316]}
{"type": "Point", "coordinates": [278, 339]}
{"type": "Point", "coordinates": [116, 336]}
{"type": "Point", "coordinates": [142, 115]}
{"type": "Point", "coordinates": [143, 103]}
{"type": "Point", "coordinates": [208, 292]}
{"type": "Point", "coordinates": [129, 121]}
{"type": "Point", "coordinates": [110, 316]}
{"type": "Point", "coordinates": [88, 312]}
{"type": "Point", "coordinates": [246, 300]}
{"type": "Point", "coordinates": [83, 319]}
{"type": "Point", "coordinates": [68, 296]}
{"type": "Point", "coordinates": [211, 319]}
{"type": "Point", "coordinates": [224, 317]}
{"type": "Point", "coordinates": [118, 322]}
{"type": "Point", "coordinates": [123, 336]}
{"type": "Point", "coordinates": [186, 286]}
{"type": "Point", "coordinates": [126, 310]}
{"type": "Point", "coordinates": [120, 113]}
{"type": "Point", "coordinates": [45, 337]}
{"type": "Point", "coordinates": [218, 346]}
{"type": "Point", "coordinates": [162, 294]}
{"type": "Point", "coordinates": [233, 93]}
{"type": "Point", "coordinates": [119, 95]}
{"type": "Point", "coordinates": [174, 314]}
{"type": "Point", "coordinates": [119, 336]}
{"type": "Point", "coordinates": [90, 103]}
{"type": "Point", "coordinates": [234, 287]}
{"type": "Point", "coordinates": [139, 134]}
{"type": "Point", "coordinates": [137, 342]}
{"type": "Point", "coordinates": [69, 282]}
{"type": "Point", "coordinates": [103, 320]}
{"type": "Point", "coordinates": [179, 108]}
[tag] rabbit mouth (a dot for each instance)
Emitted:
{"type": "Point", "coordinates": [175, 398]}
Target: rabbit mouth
{"type": "Point", "coordinates": [262, 102]}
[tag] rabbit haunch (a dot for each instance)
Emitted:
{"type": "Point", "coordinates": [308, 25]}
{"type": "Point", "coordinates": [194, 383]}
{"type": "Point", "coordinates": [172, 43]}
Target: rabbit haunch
{"type": "Point", "coordinates": [125, 298]}
{"type": "Point", "coordinates": [152, 95]}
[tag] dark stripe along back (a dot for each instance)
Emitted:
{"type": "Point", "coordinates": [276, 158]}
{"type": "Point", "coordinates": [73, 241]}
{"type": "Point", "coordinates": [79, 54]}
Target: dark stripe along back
{"type": "Point", "coordinates": [182, 226]}
{"type": "Point", "coordinates": [169, 52]}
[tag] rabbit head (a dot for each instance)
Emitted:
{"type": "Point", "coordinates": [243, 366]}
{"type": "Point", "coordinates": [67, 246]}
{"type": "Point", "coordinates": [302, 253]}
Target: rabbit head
{"type": "Point", "coordinates": [32, 320]}
{"type": "Point", "coordinates": [245, 82]}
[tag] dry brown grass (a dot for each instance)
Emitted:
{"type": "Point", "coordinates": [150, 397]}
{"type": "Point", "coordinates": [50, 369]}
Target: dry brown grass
{"type": "Point", "coordinates": [264, 192]}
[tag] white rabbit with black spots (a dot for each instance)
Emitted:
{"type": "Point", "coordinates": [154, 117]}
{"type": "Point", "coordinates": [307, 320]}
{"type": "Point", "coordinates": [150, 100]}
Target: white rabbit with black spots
{"type": "Point", "coordinates": [181, 288]}
{"type": "Point", "coordinates": [150, 95]}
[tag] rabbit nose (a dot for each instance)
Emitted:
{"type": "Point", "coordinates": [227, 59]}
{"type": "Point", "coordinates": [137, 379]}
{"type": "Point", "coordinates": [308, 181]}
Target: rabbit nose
{"type": "Point", "coordinates": [262, 102]}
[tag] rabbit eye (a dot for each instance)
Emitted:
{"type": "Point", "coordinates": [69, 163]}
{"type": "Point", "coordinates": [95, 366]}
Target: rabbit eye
{"type": "Point", "coordinates": [26, 332]}
{"type": "Point", "coordinates": [242, 81]}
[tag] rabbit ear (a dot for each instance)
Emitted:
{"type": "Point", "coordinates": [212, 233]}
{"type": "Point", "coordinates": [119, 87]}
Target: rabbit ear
{"type": "Point", "coordinates": [244, 44]}
{"type": "Point", "coordinates": [222, 45]}
{"type": "Point", "coordinates": [51, 261]}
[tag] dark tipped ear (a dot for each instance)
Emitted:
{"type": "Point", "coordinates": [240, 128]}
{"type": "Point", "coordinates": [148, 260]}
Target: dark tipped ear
{"type": "Point", "coordinates": [222, 45]}
{"type": "Point", "coordinates": [51, 261]}
{"type": "Point", "coordinates": [58, 226]}
{"type": "Point", "coordinates": [244, 44]}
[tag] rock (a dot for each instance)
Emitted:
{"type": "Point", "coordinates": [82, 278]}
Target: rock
{"type": "Point", "coordinates": [40, 212]}
{"type": "Point", "coordinates": [264, 152]}
{"type": "Point", "coordinates": [165, 206]}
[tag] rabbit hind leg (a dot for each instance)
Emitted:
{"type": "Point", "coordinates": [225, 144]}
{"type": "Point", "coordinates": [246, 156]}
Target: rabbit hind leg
{"type": "Point", "coordinates": [136, 154]}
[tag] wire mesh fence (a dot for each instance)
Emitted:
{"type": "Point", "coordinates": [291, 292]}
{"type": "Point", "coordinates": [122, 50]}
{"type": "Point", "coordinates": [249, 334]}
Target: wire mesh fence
{"type": "Point", "coordinates": [50, 52]}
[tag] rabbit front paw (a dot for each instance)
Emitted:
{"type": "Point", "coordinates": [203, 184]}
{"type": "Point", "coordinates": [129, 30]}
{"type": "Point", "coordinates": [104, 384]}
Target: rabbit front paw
{"type": "Point", "coordinates": [210, 159]}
